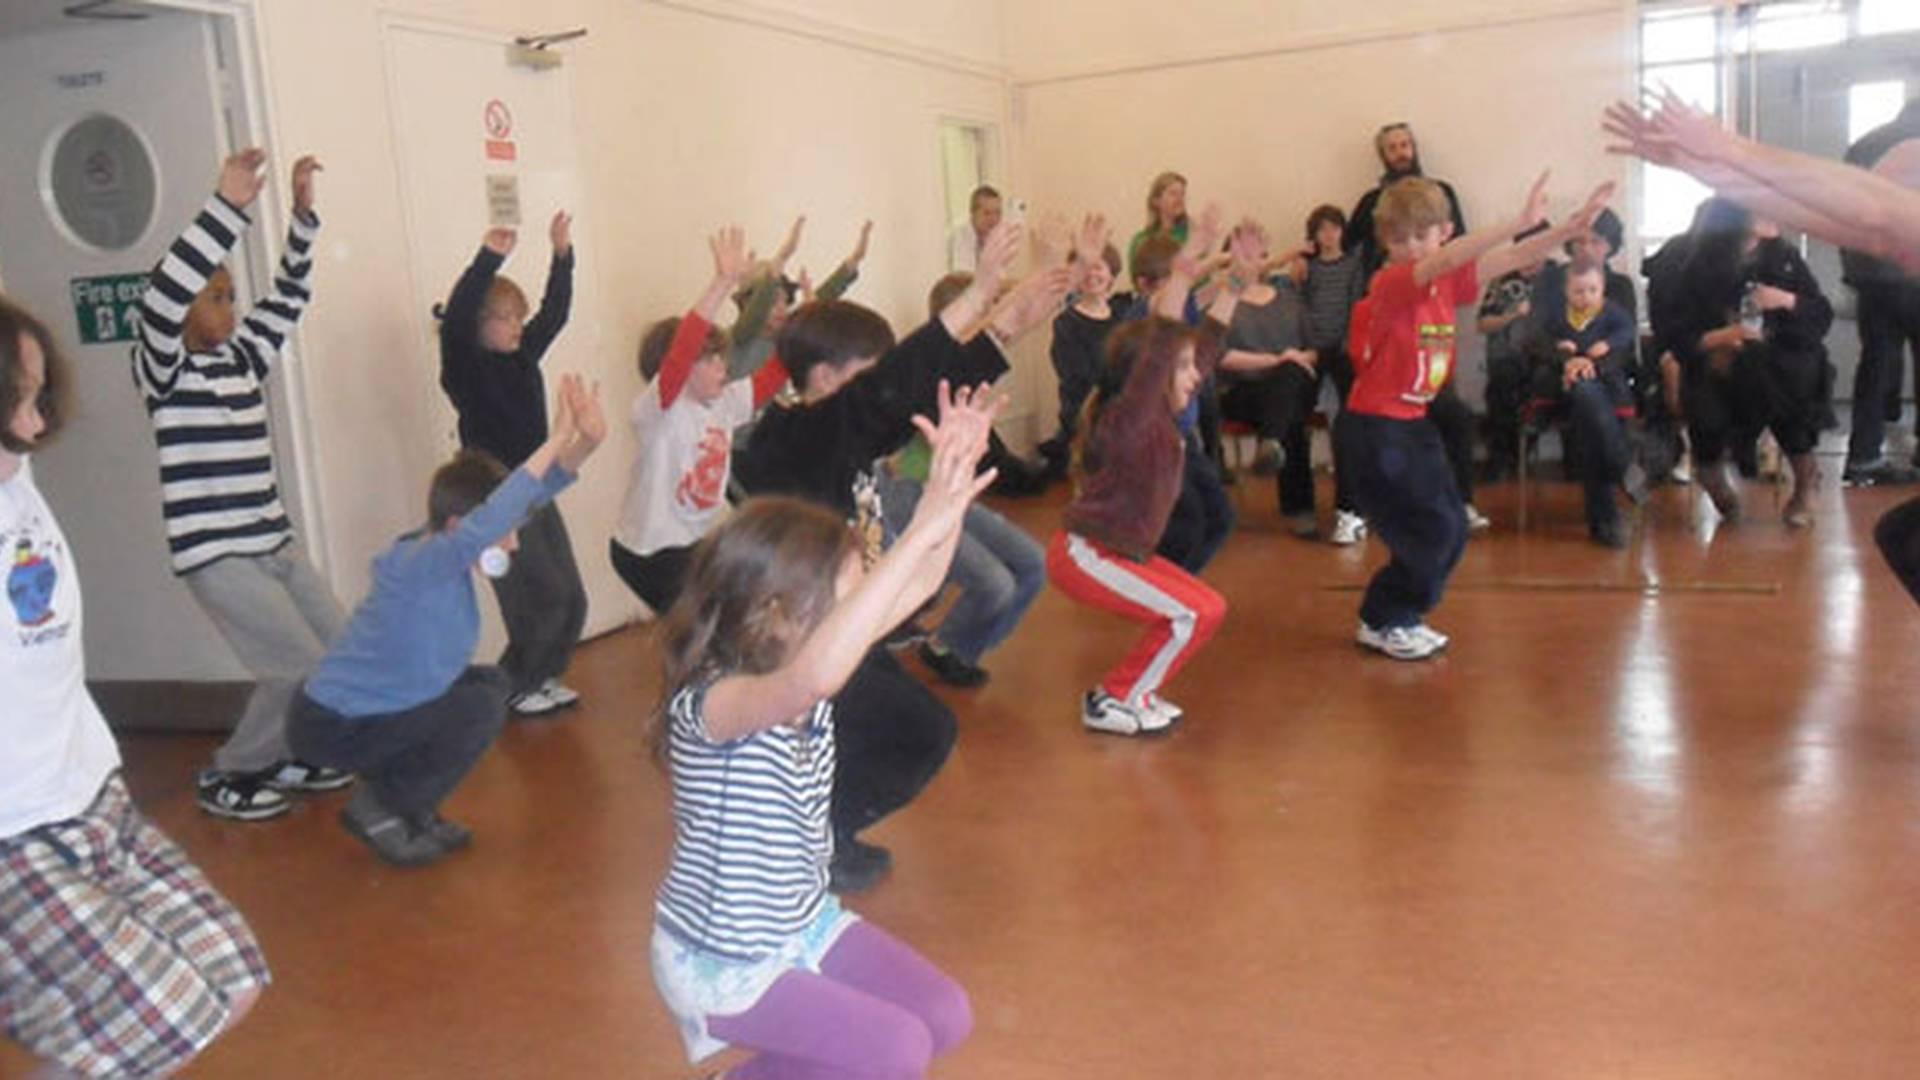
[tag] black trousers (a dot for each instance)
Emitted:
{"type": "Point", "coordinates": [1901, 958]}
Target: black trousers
{"type": "Point", "coordinates": [1766, 387]}
{"type": "Point", "coordinates": [1597, 448]}
{"type": "Point", "coordinates": [1296, 473]}
{"type": "Point", "coordinates": [1277, 404]}
{"type": "Point", "coordinates": [1405, 488]}
{"type": "Point", "coordinates": [542, 602]}
{"type": "Point", "coordinates": [892, 735]}
{"type": "Point", "coordinates": [1898, 535]}
{"type": "Point", "coordinates": [1202, 516]}
{"type": "Point", "coordinates": [412, 759]}
{"type": "Point", "coordinates": [1889, 325]}
{"type": "Point", "coordinates": [655, 578]}
{"type": "Point", "coordinates": [1453, 419]}
{"type": "Point", "coordinates": [1509, 385]}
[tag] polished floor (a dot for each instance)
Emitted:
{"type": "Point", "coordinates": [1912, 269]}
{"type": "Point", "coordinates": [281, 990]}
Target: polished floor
{"type": "Point", "coordinates": [1656, 815]}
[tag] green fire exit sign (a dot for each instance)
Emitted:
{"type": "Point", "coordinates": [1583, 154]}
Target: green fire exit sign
{"type": "Point", "coordinates": [105, 307]}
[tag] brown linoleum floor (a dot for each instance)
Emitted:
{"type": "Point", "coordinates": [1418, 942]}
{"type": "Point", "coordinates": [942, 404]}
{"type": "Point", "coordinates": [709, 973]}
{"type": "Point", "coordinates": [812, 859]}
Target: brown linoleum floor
{"type": "Point", "coordinates": [1612, 834]}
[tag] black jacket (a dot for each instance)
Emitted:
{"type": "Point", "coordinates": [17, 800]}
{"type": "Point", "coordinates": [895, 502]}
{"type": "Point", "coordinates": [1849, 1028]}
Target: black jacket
{"type": "Point", "coordinates": [501, 397]}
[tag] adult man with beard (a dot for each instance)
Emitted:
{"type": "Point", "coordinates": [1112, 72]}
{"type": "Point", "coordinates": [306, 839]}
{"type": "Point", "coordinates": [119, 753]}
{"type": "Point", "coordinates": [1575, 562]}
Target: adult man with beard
{"type": "Point", "coordinates": [1400, 155]}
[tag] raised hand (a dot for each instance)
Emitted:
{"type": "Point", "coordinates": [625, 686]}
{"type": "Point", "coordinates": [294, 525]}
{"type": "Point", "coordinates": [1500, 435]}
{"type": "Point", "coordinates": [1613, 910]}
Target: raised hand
{"type": "Point", "coordinates": [303, 171]}
{"type": "Point", "coordinates": [1032, 302]}
{"type": "Point", "coordinates": [958, 442]}
{"type": "Point", "coordinates": [1597, 201]}
{"type": "Point", "coordinates": [996, 255]}
{"type": "Point", "coordinates": [859, 253]}
{"type": "Point", "coordinates": [1202, 237]}
{"type": "Point", "coordinates": [500, 241]}
{"type": "Point", "coordinates": [589, 421]}
{"type": "Point", "coordinates": [1052, 240]}
{"type": "Point", "coordinates": [791, 244]}
{"type": "Point", "coordinates": [560, 232]}
{"type": "Point", "coordinates": [240, 177]}
{"type": "Point", "coordinates": [731, 259]}
{"type": "Point", "coordinates": [1535, 209]}
{"type": "Point", "coordinates": [806, 286]}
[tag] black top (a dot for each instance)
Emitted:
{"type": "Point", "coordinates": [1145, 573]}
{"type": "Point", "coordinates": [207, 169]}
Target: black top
{"type": "Point", "coordinates": [1685, 307]}
{"type": "Point", "coordinates": [1080, 342]}
{"type": "Point", "coordinates": [501, 397]}
{"type": "Point", "coordinates": [1858, 268]}
{"type": "Point", "coordinates": [1360, 233]}
{"type": "Point", "coordinates": [825, 450]}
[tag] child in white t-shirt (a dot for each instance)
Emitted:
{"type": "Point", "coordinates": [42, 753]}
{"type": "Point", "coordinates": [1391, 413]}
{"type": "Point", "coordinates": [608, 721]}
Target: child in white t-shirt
{"type": "Point", "coordinates": [117, 958]}
{"type": "Point", "coordinates": [684, 420]}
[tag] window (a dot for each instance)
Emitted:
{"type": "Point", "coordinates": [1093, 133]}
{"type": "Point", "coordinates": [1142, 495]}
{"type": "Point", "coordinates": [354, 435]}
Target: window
{"type": "Point", "coordinates": [1871, 104]}
{"type": "Point", "coordinates": [1796, 24]}
{"type": "Point", "coordinates": [1679, 51]}
{"type": "Point", "coordinates": [1889, 16]}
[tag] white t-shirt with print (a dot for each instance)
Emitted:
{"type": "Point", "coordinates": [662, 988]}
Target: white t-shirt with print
{"type": "Point", "coordinates": [678, 486]}
{"type": "Point", "coordinates": [55, 749]}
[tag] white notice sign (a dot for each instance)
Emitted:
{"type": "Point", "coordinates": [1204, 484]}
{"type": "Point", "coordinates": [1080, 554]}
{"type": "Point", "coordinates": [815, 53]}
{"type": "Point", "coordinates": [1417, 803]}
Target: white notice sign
{"type": "Point", "coordinates": [503, 201]}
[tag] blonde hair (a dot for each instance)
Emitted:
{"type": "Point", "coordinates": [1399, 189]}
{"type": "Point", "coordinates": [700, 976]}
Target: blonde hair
{"type": "Point", "coordinates": [1409, 206]}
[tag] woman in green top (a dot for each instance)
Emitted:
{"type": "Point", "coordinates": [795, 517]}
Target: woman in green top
{"type": "Point", "coordinates": [1166, 212]}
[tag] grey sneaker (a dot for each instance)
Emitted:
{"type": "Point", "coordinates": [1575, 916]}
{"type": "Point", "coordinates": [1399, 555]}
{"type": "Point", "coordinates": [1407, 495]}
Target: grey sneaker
{"type": "Point", "coordinates": [387, 833]}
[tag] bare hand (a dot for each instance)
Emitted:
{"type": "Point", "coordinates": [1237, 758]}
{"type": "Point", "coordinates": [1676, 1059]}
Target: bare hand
{"type": "Point", "coordinates": [561, 431]}
{"type": "Point", "coordinates": [1306, 358]}
{"type": "Point", "coordinates": [1033, 301]}
{"type": "Point", "coordinates": [1567, 347]}
{"type": "Point", "coordinates": [859, 254]}
{"type": "Point", "coordinates": [501, 241]}
{"type": "Point", "coordinates": [1525, 309]}
{"type": "Point", "coordinates": [791, 244]}
{"type": "Point", "coordinates": [958, 442]}
{"type": "Point", "coordinates": [806, 286]}
{"type": "Point", "coordinates": [731, 259]}
{"type": "Point", "coordinates": [303, 171]}
{"type": "Point", "coordinates": [1577, 370]}
{"type": "Point", "coordinates": [996, 255]}
{"type": "Point", "coordinates": [589, 421]}
{"type": "Point", "coordinates": [240, 177]}
{"type": "Point", "coordinates": [1052, 241]}
{"type": "Point", "coordinates": [560, 232]}
{"type": "Point", "coordinates": [1597, 200]}
{"type": "Point", "coordinates": [1535, 209]}
{"type": "Point", "coordinates": [1202, 237]}
{"type": "Point", "coordinates": [1771, 298]}
{"type": "Point", "coordinates": [1599, 351]}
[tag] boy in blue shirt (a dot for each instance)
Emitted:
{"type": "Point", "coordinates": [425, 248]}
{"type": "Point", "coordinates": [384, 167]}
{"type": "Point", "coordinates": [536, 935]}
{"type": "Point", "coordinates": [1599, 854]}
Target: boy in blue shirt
{"type": "Point", "coordinates": [395, 700]}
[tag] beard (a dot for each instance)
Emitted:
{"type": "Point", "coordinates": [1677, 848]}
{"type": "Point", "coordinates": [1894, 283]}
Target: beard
{"type": "Point", "coordinates": [1412, 169]}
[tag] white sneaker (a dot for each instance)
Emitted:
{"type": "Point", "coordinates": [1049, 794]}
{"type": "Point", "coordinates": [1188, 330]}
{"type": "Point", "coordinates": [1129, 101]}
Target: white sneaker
{"type": "Point", "coordinates": [535, 702]}
{"type": "Point", "coordinates": [1428, 633]}
{"type": "Point", "coordinates": [561, 694]}
{"type": "Point", "coordinates": [1349, 528]}
{"type": "Point", "coordinates": [1399, 642]}
{"type": "Point", "coordinates": [1160, 714]}
{"type": "Point", "coordinates": [1476, 520]}
{"type": "Point", "coordinates": [1101, 711]}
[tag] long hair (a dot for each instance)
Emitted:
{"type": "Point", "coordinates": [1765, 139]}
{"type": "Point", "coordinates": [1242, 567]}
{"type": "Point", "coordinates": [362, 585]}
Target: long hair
{"type": "Point", "coordinates": [1160, 184]}
{"type": "Point", "coordinates": [17, 323]}
{"type": "Point", "coordinates": [1144, 350]}
{"type": "Point", "coordinates": [756, 587]}
{"type": "Point", "coordinates": [1717, 251]}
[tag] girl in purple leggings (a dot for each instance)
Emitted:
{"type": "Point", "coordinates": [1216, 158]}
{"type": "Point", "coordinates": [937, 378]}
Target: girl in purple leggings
{"type": "Point", "coordinates": [749, 948]}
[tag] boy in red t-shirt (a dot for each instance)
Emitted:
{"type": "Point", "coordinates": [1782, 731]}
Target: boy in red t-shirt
{"type": "Point", "coordinates": [1404, 353]}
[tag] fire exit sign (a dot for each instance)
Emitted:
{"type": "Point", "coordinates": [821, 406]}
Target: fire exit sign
{"type": "Point", "coordinates": [105, 307]}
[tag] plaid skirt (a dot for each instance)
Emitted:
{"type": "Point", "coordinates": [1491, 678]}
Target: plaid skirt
{"type": "Point", "coordinates": [117, 958]}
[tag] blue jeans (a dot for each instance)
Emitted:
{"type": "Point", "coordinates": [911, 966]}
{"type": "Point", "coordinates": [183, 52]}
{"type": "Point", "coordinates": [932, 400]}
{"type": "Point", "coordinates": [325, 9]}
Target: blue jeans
{"type": "Point", "coordinates": [997, 567]}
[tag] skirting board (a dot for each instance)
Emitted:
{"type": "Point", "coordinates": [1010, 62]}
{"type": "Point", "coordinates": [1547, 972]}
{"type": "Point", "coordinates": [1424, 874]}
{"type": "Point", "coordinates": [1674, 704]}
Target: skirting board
{"type": "Point", "coordinates": [155, 705]}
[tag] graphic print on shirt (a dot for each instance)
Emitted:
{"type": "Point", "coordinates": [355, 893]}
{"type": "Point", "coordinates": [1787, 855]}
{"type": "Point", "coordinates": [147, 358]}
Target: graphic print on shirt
{"type": "Point", "coordinates": [869, 518]}
{"type": "Point", "coordinates": [1433, 362]}
{"type": "Point", "coordinates": [30, 583]}
{"type": "Point", "coordinates": [704, 484]}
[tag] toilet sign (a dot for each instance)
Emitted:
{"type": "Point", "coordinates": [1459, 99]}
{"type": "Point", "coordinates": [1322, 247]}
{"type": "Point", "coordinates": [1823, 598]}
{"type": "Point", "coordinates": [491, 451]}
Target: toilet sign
{"type": "Point", "coordinates": [503, 201]}
{"type": "Point", "coordinates": [498, 120]}
{"type": "Point", "coordinates": [105, 307]}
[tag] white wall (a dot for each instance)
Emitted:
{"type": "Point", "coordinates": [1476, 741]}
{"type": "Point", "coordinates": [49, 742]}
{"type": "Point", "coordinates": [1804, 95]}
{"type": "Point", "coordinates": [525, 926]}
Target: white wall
{"type": "Point", "coordinates": [1270, 106]}
{"type": "Point", "coordinates": [689, 115]}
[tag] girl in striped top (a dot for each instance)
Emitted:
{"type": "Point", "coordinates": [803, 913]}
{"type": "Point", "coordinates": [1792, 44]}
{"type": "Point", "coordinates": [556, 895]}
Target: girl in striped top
{"type": "Point", "coordinates": [749, 948]}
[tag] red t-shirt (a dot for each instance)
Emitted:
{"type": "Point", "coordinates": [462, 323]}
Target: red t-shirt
{"type": "Point", "coordinates": [1409, 346]}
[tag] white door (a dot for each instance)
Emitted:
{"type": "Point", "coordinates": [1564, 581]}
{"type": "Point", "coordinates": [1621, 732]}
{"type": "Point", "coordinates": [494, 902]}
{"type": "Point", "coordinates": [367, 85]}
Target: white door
{"type": "Point", "coordinates": [113, 134]}
{"type": "Point", "coordinates": [466, 122]}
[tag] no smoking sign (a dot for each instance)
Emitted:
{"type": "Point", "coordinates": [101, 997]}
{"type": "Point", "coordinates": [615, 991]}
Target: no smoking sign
{"type": "Point", "coordinates": [499, 124]}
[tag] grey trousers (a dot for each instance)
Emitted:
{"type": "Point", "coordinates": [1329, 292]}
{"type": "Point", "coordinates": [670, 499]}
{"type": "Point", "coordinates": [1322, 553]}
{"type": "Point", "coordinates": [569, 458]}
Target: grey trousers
{"type": "Point", "coordinates": [542, 601]}
{"type": "Point", "coordinates": [279, 616]}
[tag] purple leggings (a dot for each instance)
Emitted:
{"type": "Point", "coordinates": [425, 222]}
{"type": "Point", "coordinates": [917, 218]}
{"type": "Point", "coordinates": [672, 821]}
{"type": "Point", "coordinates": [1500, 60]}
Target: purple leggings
{"type": "Point", "coordinates": [877, 1010]}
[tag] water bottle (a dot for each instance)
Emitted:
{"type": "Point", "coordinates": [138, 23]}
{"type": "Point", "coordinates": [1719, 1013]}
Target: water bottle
{"type": "Point", "coordinates": [1751, 317]}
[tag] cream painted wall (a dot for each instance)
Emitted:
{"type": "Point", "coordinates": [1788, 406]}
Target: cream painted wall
{"type": "Point", "coordinates": [689, 115]}
{"type": "Point", "coordinates": [1275, 133]}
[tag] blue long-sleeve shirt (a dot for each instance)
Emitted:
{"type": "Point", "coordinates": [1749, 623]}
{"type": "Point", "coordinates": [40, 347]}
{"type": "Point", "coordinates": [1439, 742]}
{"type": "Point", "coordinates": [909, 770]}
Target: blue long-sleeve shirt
{"type": "Point", "coordinates": [415, 632]}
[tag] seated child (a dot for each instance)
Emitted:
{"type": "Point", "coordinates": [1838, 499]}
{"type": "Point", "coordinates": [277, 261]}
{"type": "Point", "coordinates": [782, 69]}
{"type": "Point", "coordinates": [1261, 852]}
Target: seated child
{"type": "Point", "coordinates": [1588, 346]}
{"type": "Point", "coordinates": [1508, 323]}
{"type": "Point", "coordinates": [1334, 281]}
{"type": "Point", "coordinates": [683, 422]}
{"type": "Point", "coordinates": [117, 957]}
{"type": "Point", "coordinates": [395, 699]}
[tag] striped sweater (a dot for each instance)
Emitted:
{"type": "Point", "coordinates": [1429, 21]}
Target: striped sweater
{"type": "Point", "coordinates": [209, 409]}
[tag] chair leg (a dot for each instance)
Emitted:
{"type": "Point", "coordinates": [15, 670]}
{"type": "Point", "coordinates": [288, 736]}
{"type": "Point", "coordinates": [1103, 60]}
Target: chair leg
{"type": "Point", "coordinates": [1520, 475]}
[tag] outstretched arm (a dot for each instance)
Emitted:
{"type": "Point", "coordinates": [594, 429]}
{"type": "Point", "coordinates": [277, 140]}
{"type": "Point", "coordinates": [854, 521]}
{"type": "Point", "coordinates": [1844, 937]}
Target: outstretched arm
{"type": "Point", "coordinates": [909, 571]}
{"type": "Point", "coordinates": [183, 271]}
{"type": "Point", "coordinates": [1504, 260]}
{"type": "Point", "coordinates": [262, 335]}
{"type": "Point", "coordinates": [729, 250]}
{"type": "Point", "coordinates": [558, 301]}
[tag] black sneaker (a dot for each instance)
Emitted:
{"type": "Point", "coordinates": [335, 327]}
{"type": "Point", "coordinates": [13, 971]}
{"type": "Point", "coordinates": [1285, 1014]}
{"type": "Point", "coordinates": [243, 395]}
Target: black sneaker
{"type": "Point", "coordinates": [952, 670]}
{"type": "Point", "coordinates": [302, 777]}
{"type": "Point", "coordinates": [1609, 534]}
{"type": "Point", "coordinates": [392, 837]}
{"type": "Point", "coordinates": [857, 865]}
{"type": "Point", "coordinates": [905, 636]}
{"type": "Point", "coordinates": [450, 835]}
{"type": "Point", "coordinates": [239, 796]}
